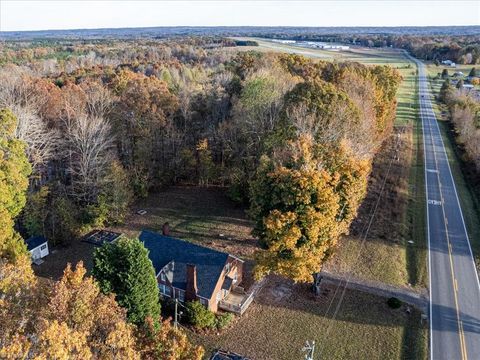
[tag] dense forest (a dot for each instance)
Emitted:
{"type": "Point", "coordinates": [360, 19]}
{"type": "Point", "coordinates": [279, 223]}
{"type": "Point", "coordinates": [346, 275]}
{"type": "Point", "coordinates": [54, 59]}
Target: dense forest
{"type": "Point", "coordinates": [88, 127]}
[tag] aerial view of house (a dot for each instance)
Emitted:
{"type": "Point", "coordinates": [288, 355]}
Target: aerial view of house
{"type": "Point", "coordinates": [239, 180]}
{"type": "Point", "coordinates": [189, 272]}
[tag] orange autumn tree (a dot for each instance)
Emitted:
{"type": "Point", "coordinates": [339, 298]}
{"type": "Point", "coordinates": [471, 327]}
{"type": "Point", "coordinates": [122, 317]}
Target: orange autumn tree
{"type": "Point", "coordinates": [74, 320]}
{"type": "Point", "coordinates": [314, 174]}
{"type": "Point", "coordinates": [77, 302]}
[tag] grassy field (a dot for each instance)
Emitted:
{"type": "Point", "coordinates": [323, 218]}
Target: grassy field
{"type": "Point", "coordinates": [418, 251]}
{"type": "Point", "coordinates": [285, 315]}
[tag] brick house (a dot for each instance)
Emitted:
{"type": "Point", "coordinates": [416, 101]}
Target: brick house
{"type": "Point", "coordinates": [190, 272]}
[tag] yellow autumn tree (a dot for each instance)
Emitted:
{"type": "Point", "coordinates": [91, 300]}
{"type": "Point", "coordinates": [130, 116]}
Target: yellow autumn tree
{"type": "Point", "coordinates": [76, 302]}
{"type": "Point", "coordinates": [294, 202]}
{"type": "Point", "coordinates": [16, 276]}
{"type": "Point", "coordinates": [166, 343]}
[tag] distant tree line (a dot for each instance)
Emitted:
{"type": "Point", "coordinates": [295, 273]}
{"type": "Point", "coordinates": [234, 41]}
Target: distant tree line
{"type": "Point", "coordinates": [461, 49]}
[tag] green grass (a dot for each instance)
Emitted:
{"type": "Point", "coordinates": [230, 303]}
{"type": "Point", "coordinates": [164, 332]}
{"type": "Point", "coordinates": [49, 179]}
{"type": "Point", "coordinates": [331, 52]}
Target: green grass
{"type": "Point", "coordinates": [417, 252]}
{"type": "Point", "coordinates": [277, 326]}
{"type": "Point", "coordinates": [201, 215]}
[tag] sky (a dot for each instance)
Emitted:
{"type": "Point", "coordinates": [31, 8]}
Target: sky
{"type": "Point", "coordinates": [18, 15]}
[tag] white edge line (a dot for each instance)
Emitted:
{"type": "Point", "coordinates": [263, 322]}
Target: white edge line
{"type": "Point", "coordinates": [420, 110]}
{"type": "Point", "coordinates": [456, 196]}
{"type": "Point", "coordinates": [419, 65]}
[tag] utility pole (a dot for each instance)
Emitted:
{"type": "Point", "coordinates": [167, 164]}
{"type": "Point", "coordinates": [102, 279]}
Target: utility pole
{"type": "Point", "coordinates": [175, 323]}
{"type": "Point", "coordinates": [309, 348]}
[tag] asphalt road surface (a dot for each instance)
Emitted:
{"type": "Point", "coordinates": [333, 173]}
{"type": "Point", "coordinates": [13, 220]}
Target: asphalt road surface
{"type": "Point", "coordinates": [454, 285]}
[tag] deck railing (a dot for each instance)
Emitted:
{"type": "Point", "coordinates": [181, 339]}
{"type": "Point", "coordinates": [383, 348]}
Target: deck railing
{"type": "Point", "coordinates": [237, 308]}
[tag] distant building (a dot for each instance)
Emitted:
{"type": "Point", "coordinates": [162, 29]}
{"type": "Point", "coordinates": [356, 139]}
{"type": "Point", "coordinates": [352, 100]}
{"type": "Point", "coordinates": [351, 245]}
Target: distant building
{"type": "Point", "coordinates": [324, 46]}
{"type": "Point", "coordinates": [284, 41]}
{"type": "Point", "coordinates": [37, 246]}
{"type": "Point", "coordinates": [449, 63]}
{"type": "Point", "coordinates": [190, 272]}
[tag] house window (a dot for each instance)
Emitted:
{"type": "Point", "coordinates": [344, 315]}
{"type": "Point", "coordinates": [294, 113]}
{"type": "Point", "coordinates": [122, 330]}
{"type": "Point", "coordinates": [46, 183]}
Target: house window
{"type": "Point", "coordinates": [43, 247]}
{"type": "Point", "coordinates": [162, 276]}
{"type": "Point", "coordinates": [181, 295]}
{"type": "Point", "coordinates": [165, 290]}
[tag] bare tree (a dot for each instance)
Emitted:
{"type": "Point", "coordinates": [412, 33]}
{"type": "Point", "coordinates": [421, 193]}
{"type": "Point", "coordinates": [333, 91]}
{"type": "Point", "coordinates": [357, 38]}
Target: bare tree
{"type": "Point", "coordinates": [41, 141]}
{"type": "Point", "coordinates": [88, 142]}
{"type": "Point", "coordinates": [99, 99]}
{"type": "Point", "coordinates": [16, 94]}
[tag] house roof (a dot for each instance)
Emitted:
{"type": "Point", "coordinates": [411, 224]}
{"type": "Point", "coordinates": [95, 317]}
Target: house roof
{"type": "Point", "coordinates": [164, 250]}
{"type": "Point", "coordinates": [34, 242]}
{"type": "Point", "coordinates": [99, 237]}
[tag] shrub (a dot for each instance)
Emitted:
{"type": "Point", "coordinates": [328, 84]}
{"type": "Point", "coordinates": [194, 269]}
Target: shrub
{"type": "Point", "coordinates": [223, 320]}
{"type": "Point", "coordinates": [394, 303]}
{"type": "Point", "coordinates": [199, 316]}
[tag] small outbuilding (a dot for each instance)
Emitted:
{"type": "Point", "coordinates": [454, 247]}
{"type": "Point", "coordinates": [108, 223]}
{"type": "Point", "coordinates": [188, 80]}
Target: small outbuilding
{"type": "Point", "coordinates": [37, 246]}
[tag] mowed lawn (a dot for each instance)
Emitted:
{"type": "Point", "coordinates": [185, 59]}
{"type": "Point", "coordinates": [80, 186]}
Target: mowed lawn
{"type": "Point", "coordinates": [285, 315]}
{"type": "Point", "coordinates": [202, 215]}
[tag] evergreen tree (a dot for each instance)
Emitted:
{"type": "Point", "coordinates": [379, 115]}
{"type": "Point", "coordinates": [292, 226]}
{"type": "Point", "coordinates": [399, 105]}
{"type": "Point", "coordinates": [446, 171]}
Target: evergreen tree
{"type": "Point", "coordinates": [124, 268]}
{"type": "Point", "coordinates": [473, 72]}
{"type": "Point", "coordinates": [460, 84]}
{"type": "Point", "coordinates": [445, 90]}
{"type": "Point", "coordinates": [445, 74]}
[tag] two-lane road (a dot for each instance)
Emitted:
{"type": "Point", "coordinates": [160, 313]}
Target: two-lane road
{"type": "Point", "coordinates": [454, 285]}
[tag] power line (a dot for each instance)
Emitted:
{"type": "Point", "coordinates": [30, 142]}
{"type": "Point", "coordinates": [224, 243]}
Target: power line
{"type": "Point", "coordinates": [367, 229]}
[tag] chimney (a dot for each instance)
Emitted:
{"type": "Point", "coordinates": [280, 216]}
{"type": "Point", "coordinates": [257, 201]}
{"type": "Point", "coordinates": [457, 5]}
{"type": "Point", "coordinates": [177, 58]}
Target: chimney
{"type": "Point", "coordinates": [191, 289]}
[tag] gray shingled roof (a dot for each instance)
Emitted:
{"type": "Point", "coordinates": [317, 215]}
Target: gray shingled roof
{"type": "Point", "coordinates": [209, 263]}
{"type": "Point", "coordinates": [34, 242]}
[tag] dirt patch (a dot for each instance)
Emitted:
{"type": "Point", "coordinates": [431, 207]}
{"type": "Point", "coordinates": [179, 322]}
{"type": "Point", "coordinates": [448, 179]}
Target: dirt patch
{"type": "Point", "coordinates": [55, 263]}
